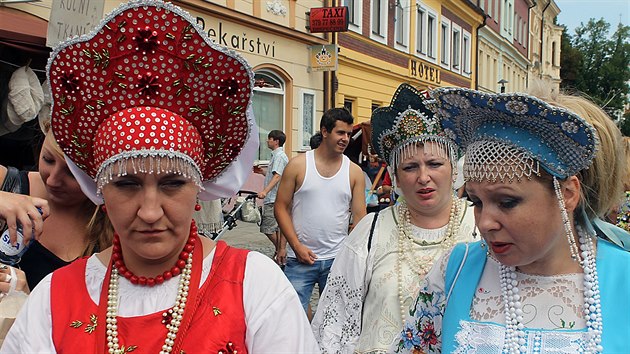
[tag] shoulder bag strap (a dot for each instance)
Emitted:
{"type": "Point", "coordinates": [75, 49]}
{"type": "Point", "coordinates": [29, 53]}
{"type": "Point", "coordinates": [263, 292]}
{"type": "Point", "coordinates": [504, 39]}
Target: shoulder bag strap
{"type": "Point", "coordinates": [369, 244]}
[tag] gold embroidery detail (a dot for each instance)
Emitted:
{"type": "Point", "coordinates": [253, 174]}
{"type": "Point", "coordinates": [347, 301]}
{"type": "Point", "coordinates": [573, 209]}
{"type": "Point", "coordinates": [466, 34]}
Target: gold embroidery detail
{"type": "Point", "coordinates": [76, 324]}
{"type": "Point", "coordinates": [128, 349]}
{"type": "Point", "coordinates": [89, 327]}
{"type": "Point", "coordinates": [216, 311]}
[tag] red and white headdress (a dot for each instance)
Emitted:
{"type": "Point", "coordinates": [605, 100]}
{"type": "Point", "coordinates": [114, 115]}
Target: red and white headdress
{"type": "Point", "coordinates": [148, 90]}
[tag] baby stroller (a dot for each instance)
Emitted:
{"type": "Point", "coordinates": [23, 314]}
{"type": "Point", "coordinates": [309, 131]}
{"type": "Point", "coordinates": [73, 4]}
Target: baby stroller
{"type": "Point", "coordinates": [243, 199]}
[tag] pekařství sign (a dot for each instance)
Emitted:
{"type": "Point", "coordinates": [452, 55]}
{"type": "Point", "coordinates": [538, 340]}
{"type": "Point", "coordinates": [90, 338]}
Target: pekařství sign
{"type": "Point", "coordinates": [328, 19]}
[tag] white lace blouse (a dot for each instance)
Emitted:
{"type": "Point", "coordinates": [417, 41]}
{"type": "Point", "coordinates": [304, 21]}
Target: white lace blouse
{"type": "Point", "coordinates": [552, 313]}
{"type": "Point", "coordinates": [360, 310]}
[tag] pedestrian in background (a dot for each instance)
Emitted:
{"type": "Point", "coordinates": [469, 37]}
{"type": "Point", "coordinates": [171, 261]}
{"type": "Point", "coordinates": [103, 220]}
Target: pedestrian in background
{"type": "Point", "coordinates": [318, 193]}
{"type": "Point", "coordinates": [273, 174]}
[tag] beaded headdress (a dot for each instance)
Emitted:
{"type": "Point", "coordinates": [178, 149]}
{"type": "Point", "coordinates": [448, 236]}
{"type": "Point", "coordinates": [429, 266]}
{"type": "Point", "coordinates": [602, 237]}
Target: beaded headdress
{"type": "Point", "coordinates": [508, 137]}
{"type": "Point", "coordinates": [406, 122]}
{"type": "Point", "coordinates": [148, 90]}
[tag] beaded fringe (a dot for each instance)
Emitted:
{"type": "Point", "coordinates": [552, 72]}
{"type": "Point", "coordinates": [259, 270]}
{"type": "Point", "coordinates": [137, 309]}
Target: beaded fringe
{"type": "Point", "coordinates": [441, 147]}
{"type": "Point", "coordinates": [496, 161]}
{"type": "Point", "coordinates": [147, 161]}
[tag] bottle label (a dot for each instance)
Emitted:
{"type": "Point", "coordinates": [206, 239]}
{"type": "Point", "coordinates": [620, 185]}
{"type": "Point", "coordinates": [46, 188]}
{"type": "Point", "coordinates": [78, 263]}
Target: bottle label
{"type": "Point", "coordinates": [7, 248]}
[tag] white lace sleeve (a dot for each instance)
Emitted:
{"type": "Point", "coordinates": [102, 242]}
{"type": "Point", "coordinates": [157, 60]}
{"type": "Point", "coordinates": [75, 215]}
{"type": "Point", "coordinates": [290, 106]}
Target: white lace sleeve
{"type": "Point", "coordinates": [337, 323]}
{"type": "Point", "coordinates": [423, 329]}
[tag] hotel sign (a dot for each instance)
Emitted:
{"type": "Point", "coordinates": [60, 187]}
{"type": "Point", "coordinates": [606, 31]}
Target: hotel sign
{"type": "Point", "coordinates": [424, 71]}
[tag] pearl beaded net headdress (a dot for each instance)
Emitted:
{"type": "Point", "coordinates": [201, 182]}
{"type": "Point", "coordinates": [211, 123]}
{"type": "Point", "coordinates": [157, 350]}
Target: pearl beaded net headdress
{"type": "Point", "coordinates": [148, 91]}
{"type": "Point", "coordinates": [399, 129]}
{"type": "Point", "coordinates": [509, 137]}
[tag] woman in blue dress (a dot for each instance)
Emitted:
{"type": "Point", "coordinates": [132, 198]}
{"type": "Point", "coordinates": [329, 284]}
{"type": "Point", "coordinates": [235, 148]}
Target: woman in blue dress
{"type": "Point", "coordinates": [545, 278]}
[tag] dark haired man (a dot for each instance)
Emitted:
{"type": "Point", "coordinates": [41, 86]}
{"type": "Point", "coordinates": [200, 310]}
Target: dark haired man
{"type": "Point", "coordinates": [277, 163]}
{"type": "Point", "coordinates": [316, 194]}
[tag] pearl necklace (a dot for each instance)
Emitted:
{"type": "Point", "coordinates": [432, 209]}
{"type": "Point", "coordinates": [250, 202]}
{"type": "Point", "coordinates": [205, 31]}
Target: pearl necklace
{"type": "Point", "coordinates": [405, 245]}
{"type": "Point", "coordinates": [178, 309]}
{"type": "Point", "coordinates": [515, 333]}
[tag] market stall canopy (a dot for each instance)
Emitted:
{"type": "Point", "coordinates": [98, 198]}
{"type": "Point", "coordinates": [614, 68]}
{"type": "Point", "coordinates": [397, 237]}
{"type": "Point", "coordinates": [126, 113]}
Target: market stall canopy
{"type": "Point", "coordinates": [19, 27]}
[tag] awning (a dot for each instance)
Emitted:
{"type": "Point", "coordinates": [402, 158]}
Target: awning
{"type": "Point", "coordinates": [22, 27]}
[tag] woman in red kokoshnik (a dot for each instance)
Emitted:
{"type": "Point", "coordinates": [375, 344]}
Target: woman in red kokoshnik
{"type": "Point", "coordinates": [152, 117]}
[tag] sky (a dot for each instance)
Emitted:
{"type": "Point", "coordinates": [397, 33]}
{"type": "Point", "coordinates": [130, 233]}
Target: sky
{"type": "Point", "coordinates": [573, 12]}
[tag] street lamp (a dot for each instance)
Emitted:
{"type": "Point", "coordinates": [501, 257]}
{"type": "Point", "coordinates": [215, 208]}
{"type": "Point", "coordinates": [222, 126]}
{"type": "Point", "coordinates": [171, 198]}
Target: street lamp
{"type": "Point", "coordinates": [502, 82]}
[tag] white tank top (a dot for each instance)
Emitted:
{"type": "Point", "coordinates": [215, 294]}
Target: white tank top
{"type": "Point", "coordinates": [321, 209]}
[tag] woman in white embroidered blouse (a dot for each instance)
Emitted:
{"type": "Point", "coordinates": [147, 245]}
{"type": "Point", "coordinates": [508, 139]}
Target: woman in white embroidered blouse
{"type": "Point", "coordinates": [541, 281]}
{"type": "Point", "coordinates": [376, 274]}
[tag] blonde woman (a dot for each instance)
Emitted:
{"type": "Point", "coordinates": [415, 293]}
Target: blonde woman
{"type": "Point", "coordinates": [74, 228]}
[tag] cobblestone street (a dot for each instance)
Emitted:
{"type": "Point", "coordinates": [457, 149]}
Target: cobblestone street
{"type": "Point", "coordinates": [248, 236]}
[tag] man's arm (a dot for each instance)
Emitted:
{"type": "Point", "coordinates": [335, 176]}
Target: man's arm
{"type": "Point", "coordinates": [282, 211]}
{"type": "Point", "coordinates": [358, 193]}
{"type": "Point", "coordinates": [274, 180]}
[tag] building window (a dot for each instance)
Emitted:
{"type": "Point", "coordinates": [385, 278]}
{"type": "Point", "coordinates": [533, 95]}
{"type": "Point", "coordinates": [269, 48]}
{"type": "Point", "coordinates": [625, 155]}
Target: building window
{"type": "Point", "coordinates": [420, 30]}
{"type": "Point", "coordinates": [375, 106]}
{"type": "Point", "coordinates": [401, 23]}
{"type": "Point", "coordinates": [268, 105]}
{"type": "Point", "coordinates": [466, 53]}
{"type": "Point", "coordinates": [446, 42]}
{"type": "Point", "coordinates": [553, 53]}
{"type": "Point", "coordinates": [431, 35]}
{"type": "Point", "coordinates": [347, 104]}
{"type": "Point", "coordinates": [379, 20]}
{"type": "Point", "coordinates": [307, 115]}
{"type": "Point", "coordinates": [351, 14]}
{"type": "Point", "coordinates": [355, 13]}
{"type": "Point", "coordinates": [456, 45]}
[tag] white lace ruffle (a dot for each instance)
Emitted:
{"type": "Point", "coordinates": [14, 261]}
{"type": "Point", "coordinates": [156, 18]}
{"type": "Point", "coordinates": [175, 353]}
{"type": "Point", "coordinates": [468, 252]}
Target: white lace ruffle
{"type": "Point", "coordinates": [488, 338]}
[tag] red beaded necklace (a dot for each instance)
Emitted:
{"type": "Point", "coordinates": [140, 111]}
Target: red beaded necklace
{"type": "Point", "coordinates": [119, 263]}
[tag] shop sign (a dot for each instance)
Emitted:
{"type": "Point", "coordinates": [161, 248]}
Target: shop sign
{"type": "Point", "coordinates": [235, 37]}
{"type": "Point", "coordinates": [70, 18]}
{"type": "Point", "coordinates": [328, 19]}
{"type": "Point", "coordinates": [323, 57]}
{"type": "Point", "coordinates": [424, 71]}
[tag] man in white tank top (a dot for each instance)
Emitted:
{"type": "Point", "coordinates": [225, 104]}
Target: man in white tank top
{"type": "Point", "coordinates": [317, 193]}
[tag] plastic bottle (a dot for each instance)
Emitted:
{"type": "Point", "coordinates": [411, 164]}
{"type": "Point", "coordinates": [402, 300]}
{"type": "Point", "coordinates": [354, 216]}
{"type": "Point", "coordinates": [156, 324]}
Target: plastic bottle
{"type": "Point", "coordinates": [12, 254]}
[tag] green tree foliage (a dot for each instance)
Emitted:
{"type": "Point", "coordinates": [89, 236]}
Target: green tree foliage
{"type": "Point", "coordinates": [598, 64]}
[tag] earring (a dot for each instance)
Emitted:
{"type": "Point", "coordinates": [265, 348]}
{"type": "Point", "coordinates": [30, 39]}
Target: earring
{"type": "Point", "coordinates": [575, 251]}
{"type": "Point", "coordinates": [197, 205]}
{"type": "Point", "coordinates": [104, 208]}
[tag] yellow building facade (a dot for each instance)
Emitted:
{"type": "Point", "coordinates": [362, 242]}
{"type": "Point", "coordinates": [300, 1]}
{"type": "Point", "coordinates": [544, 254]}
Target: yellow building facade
{"type": "Point", "coordinates": [425, 43]}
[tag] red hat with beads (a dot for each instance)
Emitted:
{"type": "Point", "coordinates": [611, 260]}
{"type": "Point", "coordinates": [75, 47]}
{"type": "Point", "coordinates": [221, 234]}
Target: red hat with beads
{"type": "Point", "coordinates": [148, 85]}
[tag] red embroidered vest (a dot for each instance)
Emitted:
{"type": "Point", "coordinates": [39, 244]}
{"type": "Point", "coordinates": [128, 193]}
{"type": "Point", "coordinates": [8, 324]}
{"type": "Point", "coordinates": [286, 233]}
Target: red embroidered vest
{"type": "Point", "coordinates": [218, 325]}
